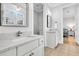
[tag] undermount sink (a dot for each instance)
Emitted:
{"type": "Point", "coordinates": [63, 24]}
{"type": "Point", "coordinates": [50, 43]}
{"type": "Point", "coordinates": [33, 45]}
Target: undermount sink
{"type": "Point", "coordinates": [18, 39]}
{"type": "Point", "coordinates": [32, 36]}
{"type": "Point", "coordinates": [22, 38]}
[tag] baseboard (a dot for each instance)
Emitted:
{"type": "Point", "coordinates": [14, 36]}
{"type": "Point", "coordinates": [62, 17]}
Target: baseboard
{"type": "Point", "coordinates": [57, 45]}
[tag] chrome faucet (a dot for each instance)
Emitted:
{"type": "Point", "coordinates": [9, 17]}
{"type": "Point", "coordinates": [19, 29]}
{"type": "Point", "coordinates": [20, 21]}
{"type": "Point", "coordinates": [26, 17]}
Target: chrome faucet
{"type": "Point", "coordinates": [19, 33]}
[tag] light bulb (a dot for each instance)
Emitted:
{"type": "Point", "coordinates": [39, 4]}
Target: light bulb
{"type": "Point", "coordinates": [18, 8]}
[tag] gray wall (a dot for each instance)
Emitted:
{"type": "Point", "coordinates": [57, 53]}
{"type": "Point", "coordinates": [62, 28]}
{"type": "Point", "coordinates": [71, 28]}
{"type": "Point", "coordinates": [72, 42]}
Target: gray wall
{"type": "Point", "coordinates": [38, 18]}
{"type": "Point", "coordinates": [38, 22]}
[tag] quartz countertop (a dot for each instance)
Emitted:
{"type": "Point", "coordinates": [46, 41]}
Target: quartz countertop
{"type": "Point", "coordinates": [52, 30]}
{"type": "Point", "coordinates": [6, 44]}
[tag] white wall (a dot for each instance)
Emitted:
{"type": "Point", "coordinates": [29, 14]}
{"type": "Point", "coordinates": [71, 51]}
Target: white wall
{"type": "Point", "coordinates": [68, 22]}
{"type": "Point", "coordinates": [69, 11]}
{"type": "Point", "coordinates": [69, 17]}
{"type": "Point", "coordinates": [57, 16]}
{"type": "Point", "coordinates": [77, 24]}
{"type": "Point", "coordinates": [45, 22]}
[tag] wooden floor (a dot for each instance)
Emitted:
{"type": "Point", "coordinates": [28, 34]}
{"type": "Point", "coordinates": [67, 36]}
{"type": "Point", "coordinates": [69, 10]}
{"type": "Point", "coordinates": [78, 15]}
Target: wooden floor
{"type": "Point", "coordinates": [69, 48]}
{"type": "Point", "coordinates": [69, 40]}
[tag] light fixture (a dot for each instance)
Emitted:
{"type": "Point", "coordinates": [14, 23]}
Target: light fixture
{"type": "Point", "coordinates": [70, 25]}
{"type": "Point", "coordinates": [18, 8]}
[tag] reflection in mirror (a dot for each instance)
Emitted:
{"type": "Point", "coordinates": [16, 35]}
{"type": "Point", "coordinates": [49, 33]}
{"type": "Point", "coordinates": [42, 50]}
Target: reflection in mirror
{"type": "Point", "coordinates": [0, 14]}
{"type": "Point", "coordinates": [13, 14]}
{"type": "Point", "coordinates": [49, 21]}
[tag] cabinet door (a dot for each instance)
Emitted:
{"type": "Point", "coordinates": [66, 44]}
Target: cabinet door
{"type": "Point", "coordinates": [41, 41]}
{"type": "Point", "coordinates": [21, 50]}
{"type": "Point", "coordinates": [10, 52]}
{"type": "Point", "coordinates": [51, 39]}
{"type": "Point", "coordinates": [36, 52]}
{"type": "Point", "coordinates": [28, 54]}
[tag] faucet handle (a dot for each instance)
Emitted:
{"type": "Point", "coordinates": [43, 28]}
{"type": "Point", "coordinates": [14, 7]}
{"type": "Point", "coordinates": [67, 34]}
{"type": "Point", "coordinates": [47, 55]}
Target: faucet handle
{"type": "Point", "coordinates": [19, 33]}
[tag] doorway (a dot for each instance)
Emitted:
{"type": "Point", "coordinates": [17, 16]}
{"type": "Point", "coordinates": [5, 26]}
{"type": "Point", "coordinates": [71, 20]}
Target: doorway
{"type": "Point", "coordinates": [69, 22]}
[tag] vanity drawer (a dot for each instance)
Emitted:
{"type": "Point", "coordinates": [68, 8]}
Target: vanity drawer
{"type": "Point", "coordinates": [35, 52]}
{"type": "Point", "coordinates": [23, 49]}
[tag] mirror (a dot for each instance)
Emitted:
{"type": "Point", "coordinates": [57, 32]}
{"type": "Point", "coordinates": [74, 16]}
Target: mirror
{"type": "Point", "coordinates": [49, 21]}
{"type": "Point", "coordinates": [13, 14]}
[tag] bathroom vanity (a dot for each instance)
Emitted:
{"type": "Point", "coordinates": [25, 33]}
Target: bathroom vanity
{"type": "Point", "coordinates": [23, 46]}
{"type": "Point", "coordinates": [16, 17]}
{"type": "Point", "coordinates": [52, 39]}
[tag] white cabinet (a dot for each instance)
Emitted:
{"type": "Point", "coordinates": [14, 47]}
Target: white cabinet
{"type": "Point", "coordinates": [36, 52]}
{"type": "Point", "coordinates": [32, 48]}
{"type": "Point", "coordinates": [29, 54]}
{"type": "Point", "coordinates": [41, 46]}
{"type": "Point", "coordinates": [39, 51]}
{"type": "Point", "coordinates": [51, 38]}
{"type": "Point", "coordinates": [9, 52]}
{"type": "Point", "coordinates": [21, 50]}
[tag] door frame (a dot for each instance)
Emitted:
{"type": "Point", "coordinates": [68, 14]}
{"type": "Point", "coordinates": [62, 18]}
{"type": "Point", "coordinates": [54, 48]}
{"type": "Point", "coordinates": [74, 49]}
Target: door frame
{"type": "Point", "coordinates": [73, 4]}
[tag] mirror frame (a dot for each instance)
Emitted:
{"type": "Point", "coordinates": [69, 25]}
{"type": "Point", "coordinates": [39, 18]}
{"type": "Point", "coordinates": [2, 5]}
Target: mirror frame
{"type": "Point", "coordinates": [27, 18]}
{"type": "Point", "coordinates": [49, 21]}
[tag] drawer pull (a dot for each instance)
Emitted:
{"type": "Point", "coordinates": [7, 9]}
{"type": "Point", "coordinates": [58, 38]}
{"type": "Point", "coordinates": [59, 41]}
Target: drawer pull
{"type": "Point", "coordinates": [31, 54]}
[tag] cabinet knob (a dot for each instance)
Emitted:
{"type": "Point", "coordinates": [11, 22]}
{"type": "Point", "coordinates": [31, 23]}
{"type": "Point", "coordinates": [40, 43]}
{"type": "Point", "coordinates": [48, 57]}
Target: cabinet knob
{"type": "Point", "coordinates": [31, 54]}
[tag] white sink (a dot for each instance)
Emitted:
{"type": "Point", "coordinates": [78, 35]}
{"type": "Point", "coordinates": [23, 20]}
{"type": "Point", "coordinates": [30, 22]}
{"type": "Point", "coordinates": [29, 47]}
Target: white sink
{"type": "Point", "coordinates": [18, 39]}
{"type": "Point", "coordinates": [32, 36]}
{"type": "Point", "coordinates": [23, 38]}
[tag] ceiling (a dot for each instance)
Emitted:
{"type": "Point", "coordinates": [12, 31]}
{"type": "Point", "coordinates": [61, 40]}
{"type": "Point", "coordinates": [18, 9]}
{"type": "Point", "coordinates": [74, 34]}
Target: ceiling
{"type": "Point", "coordinates": [52, 5]}
{"type": "Point", "coordinates": [69, 12]}
{"type": "Point", "coordinates": [22, 5]}
{"type": "Point", "coordinates": [38, 7]}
